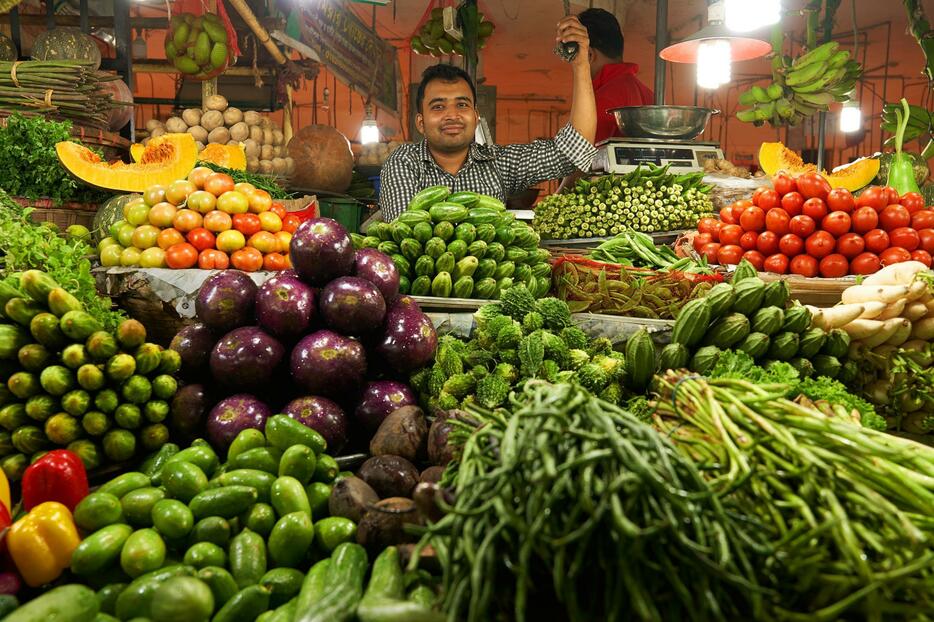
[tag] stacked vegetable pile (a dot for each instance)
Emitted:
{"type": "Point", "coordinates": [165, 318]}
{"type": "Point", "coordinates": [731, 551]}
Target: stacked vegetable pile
{"type": "Point", "coordinates": [463, 245]}
{"type": "Point", "coordinates": [805, 227]}
{"type": "Point", "coordinates": [207, 221]}
{"type": "Point", "coordinates": [322, 343]}
{"type": "Point", "coordinates": [647, 200]}
{"type": "Point", "coordinates": [68, 382]}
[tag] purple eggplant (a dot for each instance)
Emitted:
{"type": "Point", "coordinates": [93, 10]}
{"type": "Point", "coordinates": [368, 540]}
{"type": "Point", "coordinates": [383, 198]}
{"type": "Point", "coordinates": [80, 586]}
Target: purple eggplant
{"type": "Point", "coordinates": [409, 339]}
{"type": "Point", "coordinates": [322, 415]}
{"type": "Point", "coordinates": [380, 399]}
{"type": "Point", "coordinates": [194, 344]}
{"type": "Point", "coordinates": [233, 415]}
{"type": "Point", "coordinates": [246, 358]}
{"type": "Point", "coordinates": [225, 301]}
{"type": "Point", "coordinates": [285, 306]}
{"type": "Point", "coordinates": [321, 251]}
{"type": "Point", "coordinates": [352, 306]}
{"type": "Point", "coordinates": [380, 270]}
{"type": "Point", "coordinates": [329, 364]}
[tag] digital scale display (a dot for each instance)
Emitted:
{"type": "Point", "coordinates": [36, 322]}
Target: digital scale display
{"type": "Point", "coordinates": [653, 155]}
{"type": "Point", "coordinates": [623, 157]}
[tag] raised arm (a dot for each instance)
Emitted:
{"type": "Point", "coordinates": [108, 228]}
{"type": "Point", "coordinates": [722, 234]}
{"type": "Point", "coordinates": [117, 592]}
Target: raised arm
{"type": "Point", "coordinates": [583, 103]}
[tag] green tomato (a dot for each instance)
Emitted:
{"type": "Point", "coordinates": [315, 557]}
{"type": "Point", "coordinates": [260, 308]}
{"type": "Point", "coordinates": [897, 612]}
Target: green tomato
{"type": "Point", "coordinates": [108, 241]}
{"type": "Point", "coordinates": [153, 257]}
{"type": "Point", "coordinates": [125, 235]}
{"type": "Point", "coordinates": [130, 257]}
{"type": "Point", "coordinates": [145, 236]}
{"type": "Point", "coordinates": [110, 256]}
{"type": "Point", "coordinates": [137, 214]}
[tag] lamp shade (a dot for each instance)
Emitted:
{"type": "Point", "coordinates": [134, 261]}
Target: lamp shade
{"type": "Point", "coordinates": [741, 48]}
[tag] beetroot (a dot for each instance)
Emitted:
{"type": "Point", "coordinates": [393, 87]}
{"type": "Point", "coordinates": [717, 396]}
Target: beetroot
{"type": "Point", "coordinates": [285, 306]}
{"type": "Point", "coordinates": [322, 415]}
{"type": "Point", "coordinates": [409, 339]}
{"type": "Point", "coordinates": [329, 364]}
{"type": "Point", "coordinates": [233, 415]}
{"type": "Point", "coordinates": [352, 306]}
{"type": "Point", "coordinates": [225, 301]}
{"type": "Point", "coordinates": [380, 270]}
{"type": "Point", "coordinates": [194, 344]}
{"type": "Point", "coordinates": [246, 358]}
{"type": "Point", "coordinates": [321, 250]}
{"type": "Point", "coordinates": [380, 399]}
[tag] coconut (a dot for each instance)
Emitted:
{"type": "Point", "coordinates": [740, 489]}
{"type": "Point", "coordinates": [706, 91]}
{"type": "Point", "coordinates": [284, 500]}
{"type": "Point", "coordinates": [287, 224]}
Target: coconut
{"type": "Point", "coordinates": [266, 152]}
{"type": "Point", "coordinates": [277, 137]}
{"type": "Point", "coordinates": [251, 117]}
{"type": "Point", "coordinates": [240, 131]}
{"type": "Point", "coordinates": [192, 116]}
{"type": "Point", "coordinates": [176, 125]}
{"type": "Point", "coordinates": [215, 102]}
{"type": "Point", "coordinates": [265, 166]}
{"type": "Point", "coordinates": [251, 148]}
{"type": "Point", "coordinates": [153, 124]}
{"type": "Point", "coordinates": [256, 134]}
{"type": "Point", "coordinates": [279, 166]}
{"type": "Point", "coordinates": [267, 137]}
{"type": "Point", "coordinates": [252, 164]}
{"type": "Point", "coordinates": [323, 159]}
{"type": "Point", "coordinates": [199, 134]}
{"type": "Point", "coordinates": [219, 135]}
{"type": "Point", "coordinates": [212, 119]}
{"type": "Point", "coordinates": [159, 131]}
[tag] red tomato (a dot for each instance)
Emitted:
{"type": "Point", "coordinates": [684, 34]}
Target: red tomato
{"type": "Point", "coordinates": [726, 216]}
{"type": "Point", "coordinates": [850, 245]}
{"type": "Point", "coordinates": [769, 199]}
{"type": "Point", "coordinates": [213, 259]}
{"type": "Point", "coordinates": [927, 239]}
{"type": "Point", "coordinates": [755, 258]}
{"type": "Point", "coordinates": [776, 263]}
{"type": "Point", "coordinates": [912, 201]}
{"type": "Point", "coordinates": [700, 240]}
{"type": "Point", "coordinates": [275, 261]}
{"type": "Point", "coordinates": [891, 195]}
{"type": "Point", "coordinates": [906, 238]}
{"type": "Point", "coordinates": [805, 265]}
{"type": "Point", "coordinates": [802, 226]}
{"type": "Point", "coordinates": [893, 217]}
{"type": "Point", "coordinates": [776, 220]}
{"type": "Point", "coordinates": [865, 263]}
{"type": "Point", "coordinates": [748, 241]}
{"type": "Point", "coordinates": [812, 185]}
{"type": "Point", "coordinates": [874, 197]}
{"type": "Point", "coordinates": [894, 254]}
{"type": "Point", "coordinates": [753, 219]}
{"type": "Point", "coordinates": [922, 256]}
{"type": "Point", "coordinates": [922, 219]}
{"type": "Point", "coordinates": [792, 203]}
{"type": "Point", "coordinates": [815, 208]}
{"type": "Point", "coordinates": [865, 219]}
{"type": "Point", "coordinates": [744, 203]}
{"type": "Point", "coordinates": [767, 243]}
{"type": "Point", "coordinates": [834, 266]}
{"type": "Point", "coordinates": [247, 259]}
{"type": "Point", "coordinates": [704, 225]}
{"type": "Point", "coordinates": [730, 234]}
{"type": "Point", "coordinates": [291, 222]}
{"type": "Point", "coordinates": [877, 240]}
{"type": "Point", "coordinates": [820, 244]}
{"type": "Point", "coordinates": [791, 245]}
{"type": "Point", "coordinates": [738, 209]}
{"type": "Point", "coordinates": [729, 254]}
{"type": "Point", "coordinates": [278, 209]}
{"type": "Point", "coordinates": [836, 223]}
{"type": "Point", "coordinates": [841, 200]}
{"type": "Point", "coordinates": [711, 250]}
{"type": "Point", "coordinates": [201, 238]}
{"type": "Point", "coordinates": [248, 224]}
{"type": "Point", "coordinates": [758, 192]}
{"type": "Point", "coordinates": [181, 256]}
{"type": "Point", "coordinates": [784, 184]}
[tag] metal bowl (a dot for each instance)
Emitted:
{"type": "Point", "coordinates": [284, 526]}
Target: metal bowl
{"type": "Point", "coordinates": [667, 122]}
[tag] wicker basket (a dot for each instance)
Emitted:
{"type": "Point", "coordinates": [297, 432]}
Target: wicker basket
{"type": "Point", "coordinates": [63, 215]}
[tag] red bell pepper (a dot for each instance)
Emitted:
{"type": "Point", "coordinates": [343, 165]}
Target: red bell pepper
{"type": "Point", "coordinates": [57, 476]}
{"type": "Point", "coordinates": [5, 521]}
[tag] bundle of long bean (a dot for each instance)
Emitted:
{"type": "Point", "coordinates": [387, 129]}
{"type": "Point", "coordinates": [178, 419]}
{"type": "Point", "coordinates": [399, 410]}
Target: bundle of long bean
{"type": "Point", "coordinates": [571, 508]}
{"type": "Point", "coordinates": [61, 89]}
{"type": "Point", "coordinates": [848, 511]}
{"type": "Point", "coordinates": [633, 248]}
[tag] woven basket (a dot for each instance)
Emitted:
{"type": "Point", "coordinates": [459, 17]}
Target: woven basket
{"type": "Point", "coordinates": [62, 215]}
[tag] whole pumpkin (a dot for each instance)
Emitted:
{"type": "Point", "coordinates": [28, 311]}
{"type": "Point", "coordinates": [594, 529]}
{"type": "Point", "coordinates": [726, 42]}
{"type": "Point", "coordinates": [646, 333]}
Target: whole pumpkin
{"type": "Point", "coordinates": [107, 214]}
{"type": "Point", "coordinates": [67, 44]}
{"type": "Point", "coordinates": [119, 92]}
{"type": "Point", "coordinates": [323, 159]}
{"type": "Point", "coordinates": [7, 49]}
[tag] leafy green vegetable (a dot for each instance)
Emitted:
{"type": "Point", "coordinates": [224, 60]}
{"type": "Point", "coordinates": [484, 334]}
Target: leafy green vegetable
{"type": "Point", "coordinates": [260, 181]}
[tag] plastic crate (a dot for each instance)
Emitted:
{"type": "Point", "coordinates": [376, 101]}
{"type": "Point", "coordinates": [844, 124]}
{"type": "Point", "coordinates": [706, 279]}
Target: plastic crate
{"type": "Point", "coordinates": [347, 212]}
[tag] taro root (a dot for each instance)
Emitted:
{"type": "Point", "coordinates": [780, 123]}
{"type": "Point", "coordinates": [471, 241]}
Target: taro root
{"type": "Point", "coordinates": [431, 475]}
{"type": "Point", "coordinates": [440, 451]}
{"type": "Point", "coordinates": [350, 498]}
{"type": "Point", "coordinates": [390, 476]}
{"type": "Point", "coordinates": [383, 524]}
{"type": "Point", "coordinates": [426, 500]}
{"type": "Point", "coordinates": [402, 433]}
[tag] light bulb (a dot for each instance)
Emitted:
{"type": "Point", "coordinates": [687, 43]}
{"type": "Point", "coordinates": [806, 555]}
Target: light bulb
{"type": "Point", "coordinates": [369, 132]}
{"type": "Point", "coordinates": [744, 15]}
{"type": "Point", "coordinates": [713, 63]}
{"type": "Point", "coordinates": [851, 118]}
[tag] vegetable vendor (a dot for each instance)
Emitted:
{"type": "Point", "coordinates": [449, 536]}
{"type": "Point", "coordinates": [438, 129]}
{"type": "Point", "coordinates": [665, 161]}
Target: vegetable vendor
{"type": "Point", "coordinates": [447, 117]}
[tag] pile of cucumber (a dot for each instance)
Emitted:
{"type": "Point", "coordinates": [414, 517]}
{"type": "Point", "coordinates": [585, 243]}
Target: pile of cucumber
{"type": "Point", "coordinates": [67, 382]}
{"type": "Point", "coordinates": [460, 245]}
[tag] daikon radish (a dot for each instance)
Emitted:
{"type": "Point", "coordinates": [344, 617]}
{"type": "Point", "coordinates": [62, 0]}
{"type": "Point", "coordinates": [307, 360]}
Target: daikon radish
{"type": "Point", "coordinates": [888, 330]}
{"type": "Point", "coordinates": [817, 316]}
{"type": "Point", "coordinates": [859, 330]}
{"type": "Point", "coordinates": [873, 309]}
{"type": "Point", "coordinates": [896, 274]}
{"type": "Point", "coordinates": [926, 298]}
{"type": "Point", "coordinates": [901, 334]}
{"type": "Point", "coordinates": [840, 316]}
{"type": "Point", "coordinates": [923, 329]}
{"type": "Point", "coordinates": [917, 289]}
{"type": "Point", "coordinates": [893, 310]}
{"type": "Point", "coordinates": [914, 311]}
{"type": "Point", "coordinates": [881, 293]}
{"type": "Point", "coordinates": [930, 307]}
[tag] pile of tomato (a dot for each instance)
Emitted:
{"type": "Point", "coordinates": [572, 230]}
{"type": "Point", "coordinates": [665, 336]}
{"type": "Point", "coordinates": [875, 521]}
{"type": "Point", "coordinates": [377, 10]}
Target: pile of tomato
{"type": "Point", "coordinates": [803, 226]}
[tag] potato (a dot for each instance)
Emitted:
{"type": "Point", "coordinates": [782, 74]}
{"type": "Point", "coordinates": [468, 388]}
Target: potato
{"type": "Point", "coordinates": [219, 135]}
{"type": "Point", "coordinates": [159, 131]}
{"type": "Point", "coordinates": [265, 152]}
{"type": "Point", "coordinates": [216, 102]}
{"type": "Point", "coordinates": [251, 117]}
{"type": "Point", "coordinates": [350, 498]}
{"type": "Point", "coordinates": [154, 124]}
{"type": "Point", "coordinates": [211, 120]}
{"type": "Point", "coordinates": [390, 476]}
{"type": "Point", "coordinates": [267, 137]}
{"type": "Point", "coordinates": [145, 141]}
{"type": "Point", "coordinates": [240, 131]}
{"type": "Point", "coordinates": [233, 142]}
{"type": "Point", "coordinates": [256, 134]}
{"type": "Point", "coordinates": [265, 167]}
{"type": "Point", "coordinates": [277, 137]}
{"type": "Point", "coordinates": [403, 433]}
{"type": "Point", "coordinates": [278, 166]}
{"type": "Point", "coordinates": [232, 116]}
{"type": "Point", "coordinates": [192, 116]}
{"type": "Point", "coordinates": [199, 134]}
{"type": "Point", "coordinates": [252, 164]}
{"type": "Point", "coordinates": [251, 148]}
{"type": "Point", "coordinates": [176, 125]}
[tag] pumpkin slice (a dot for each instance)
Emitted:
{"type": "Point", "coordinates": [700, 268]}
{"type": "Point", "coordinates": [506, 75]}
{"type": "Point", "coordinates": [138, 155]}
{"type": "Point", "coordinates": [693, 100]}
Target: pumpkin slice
{"type": "Point", "coordinates": [136, 151]}
{"type": "Point", "coordinates": [775, 157]}
{"type": "Point", "coordinates": [229, 156]}
{"type": "Point", "coordinates": [164, 160]}
{"type": "Point", "coordinates": [854, 175]}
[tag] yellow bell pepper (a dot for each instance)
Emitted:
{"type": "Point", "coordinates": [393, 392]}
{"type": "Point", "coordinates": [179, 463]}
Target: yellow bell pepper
{"type": "Point", "coordinates": [4, 490]}
{"type": "Point", "coordinates": [41, 543]}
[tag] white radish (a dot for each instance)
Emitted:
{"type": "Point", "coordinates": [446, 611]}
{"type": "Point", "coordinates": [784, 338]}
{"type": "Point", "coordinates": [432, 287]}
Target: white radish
{"type": "Point", "coordinates": [839, 316]}
{"type": "Point", "coordinates": [859, 330]}
{"type": "Point", "coordinates": [917, 289]}
{"type": "Point", "coordinates": [817, 316]}
{"type": "Point", "coordinates": [914, 311]}
{"type": "Point", "coordinates": [896, 274]}
{"type": "Point", "coordinates": [888, 330]}
{"type": "Point", "coordinates": [926, 298]}
{"type": "Point", "coordinates": [923, 329]}
{"type": "Point", "coordinates": [866, 293]}
{"type": "Point", "coordinates": [901, 334]}
{"type": "Point", "coordinates": [873, 309]}
{"type": "Point", "coordinates": [893, 310]}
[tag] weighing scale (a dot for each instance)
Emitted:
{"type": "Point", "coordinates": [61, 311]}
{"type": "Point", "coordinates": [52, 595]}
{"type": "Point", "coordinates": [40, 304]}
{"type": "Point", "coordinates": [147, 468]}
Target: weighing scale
{"type": "Point", "coordinates": [623, 155]}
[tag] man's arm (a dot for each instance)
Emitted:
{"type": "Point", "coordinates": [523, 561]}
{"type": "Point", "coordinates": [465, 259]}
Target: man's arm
{"type": "Point", "coordinates": [583, 104]}
{"type": "Point", "coordinates": [398, 183]}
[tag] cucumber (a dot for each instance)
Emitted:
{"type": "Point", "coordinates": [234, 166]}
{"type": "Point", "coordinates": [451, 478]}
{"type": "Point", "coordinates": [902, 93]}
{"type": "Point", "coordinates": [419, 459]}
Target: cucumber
{"type": "Point", "coordinates": [427, 197]}
{"type": "Point", "coordinates": [343, 587]}
{"type": "Point", "coordinates": [247, 555]}
{"type": "Point", "coordinates": [314, 585]}
{"type": "Point", "coordinates": [136, 599]}
{"type": "Point", "coordinates": [100, 550]}
{"type": "Point", "coordinates": [384, 600]}
{"type": "Point", "coordinates": [122, 484]}
{"type": "Point", "coordinates": [254, 478]}
{"type": "Point", "coordinates": [448, 212]}
{"type": "Point", "coordinates": [284, 584]}
{"type": "Point", "coordinates": [282, 432]}
{"type": "Point", "coordinates": [259, 458]}
{"type": "Point", "coordinates": [226, 502]}
{"type": "Point", "coordinates": [246, 605]}
{"type": "Point", "coordinates": [67, 603]}
{"type": "Point", "coordinates": [222, 584]}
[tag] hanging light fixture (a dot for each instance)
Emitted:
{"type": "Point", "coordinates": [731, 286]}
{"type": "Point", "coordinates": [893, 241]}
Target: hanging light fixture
{"type": "Point", "coordinates": [716, 46]}
{"type": "Point", "coordinates": [851, 117]}
{"type": "Point", "coordinates": [745, 16]}
{"type": "Point", "coordinates": [369, 131]}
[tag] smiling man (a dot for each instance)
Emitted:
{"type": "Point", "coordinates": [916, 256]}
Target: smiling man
{"type": "Point", "coordinates": [447, 117]}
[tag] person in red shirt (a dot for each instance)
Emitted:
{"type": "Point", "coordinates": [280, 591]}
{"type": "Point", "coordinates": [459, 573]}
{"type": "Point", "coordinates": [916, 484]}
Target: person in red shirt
{"type": "Point", "coordinates": [614, 82]}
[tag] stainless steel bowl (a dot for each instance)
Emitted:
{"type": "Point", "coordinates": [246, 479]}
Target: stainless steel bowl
{"type": "Point", "coordinates": [666, 122]}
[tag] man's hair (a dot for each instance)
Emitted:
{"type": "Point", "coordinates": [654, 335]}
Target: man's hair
{"type": "Point", "coordinates": [444, 73]}
{"type": "Point", "coordinates": [604, 32]}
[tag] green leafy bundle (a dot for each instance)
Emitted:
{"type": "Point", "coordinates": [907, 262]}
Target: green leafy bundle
{"type": "Point", "coordinates": [260, 181]}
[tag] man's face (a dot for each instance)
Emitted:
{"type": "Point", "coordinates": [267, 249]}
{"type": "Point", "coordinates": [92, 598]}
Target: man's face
{"type": "Point", "coordinates": [448, 118]}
